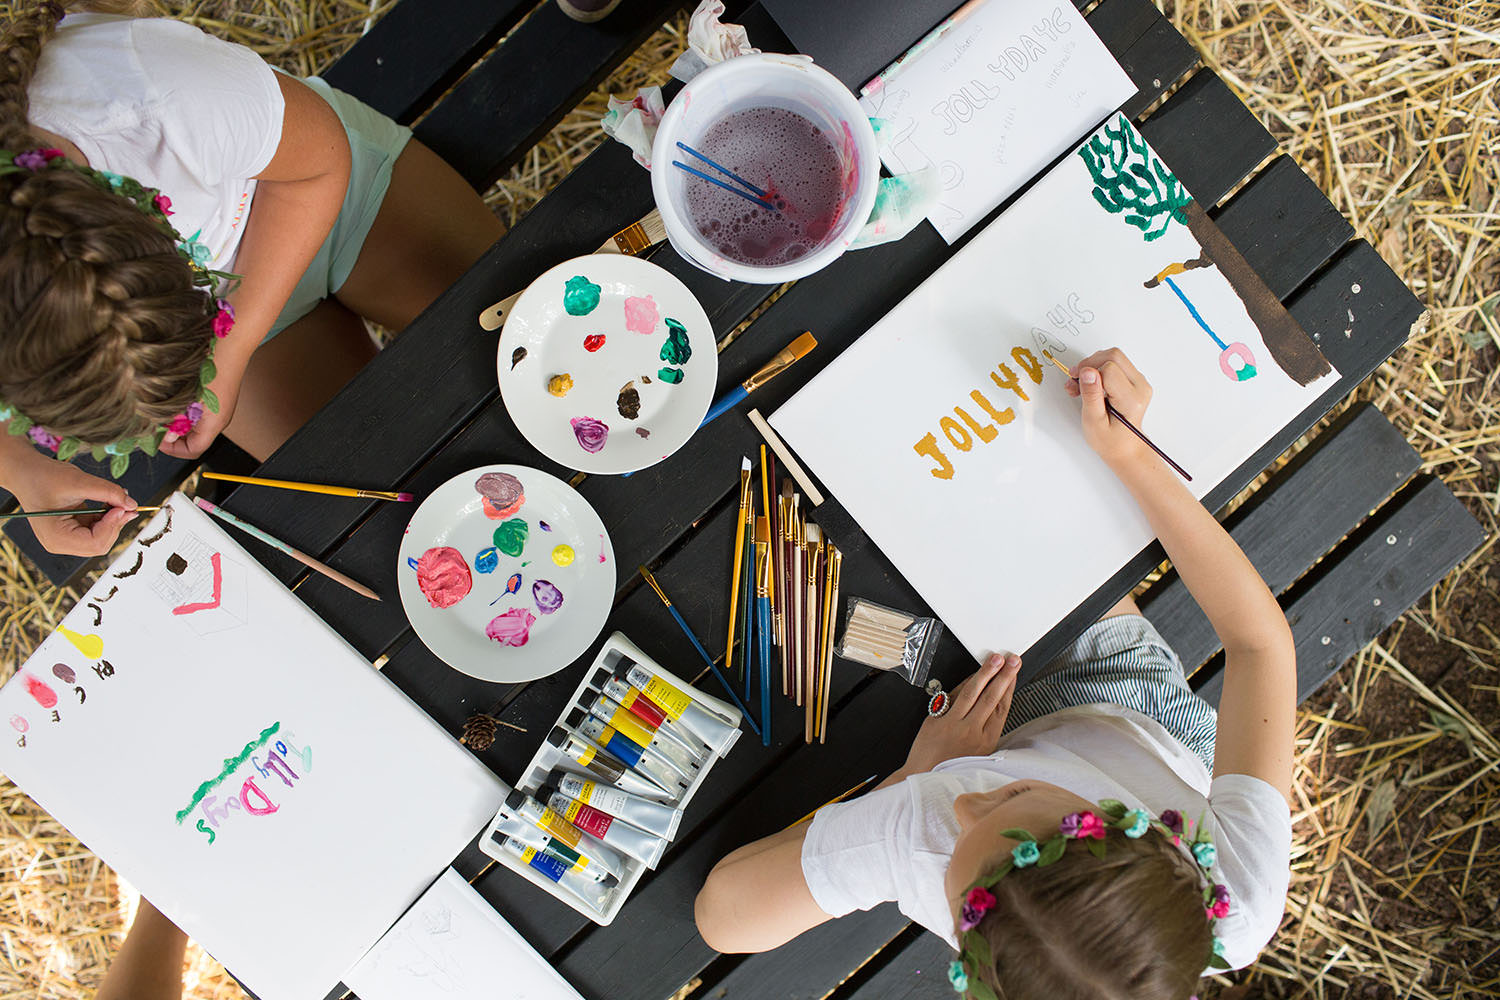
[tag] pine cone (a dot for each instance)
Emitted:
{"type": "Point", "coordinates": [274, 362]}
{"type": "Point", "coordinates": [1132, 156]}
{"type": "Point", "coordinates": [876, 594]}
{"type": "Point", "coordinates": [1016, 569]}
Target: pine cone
{"type": "Point", "coordinates": [479, 731]}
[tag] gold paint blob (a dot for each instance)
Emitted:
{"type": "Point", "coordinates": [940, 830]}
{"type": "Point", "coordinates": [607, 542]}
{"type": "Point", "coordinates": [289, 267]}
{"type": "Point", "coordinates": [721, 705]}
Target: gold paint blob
{"type": "Point", "coordinates": [559, 385]}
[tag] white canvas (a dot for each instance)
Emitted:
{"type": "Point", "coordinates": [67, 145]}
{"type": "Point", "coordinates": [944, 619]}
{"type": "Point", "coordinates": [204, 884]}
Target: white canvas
{"type": "Point", "coordinates": [235, 760]}
{"type": "Point", "coordinates": [1030, 522]}
{"type": "Point", "coordinates": [1006, 89]}
{"type": "Point", "coordinates": [452, 945]}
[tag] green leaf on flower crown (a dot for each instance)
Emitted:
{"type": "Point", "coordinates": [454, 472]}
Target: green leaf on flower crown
{"type": "Point", "coordinates": [1052, 850]}
{"type": "Point", "coordinates": [1217, 962]}
{"type": "Point", "coordinates": [1113, 808]}
{"type": "Point", "coordinates": [978, 946]}
{"type": "Point", "coordinates": [979, 991]}
{"type": "Point", "coordinates": [98, 452]}
{"type": "Point", "coordinates": [1096, 847]}
{"type": "Point", "coordinates": [210, 401]}
{"type": "Point", "coordinates": [20, 424]}
{"type": "Point", "coordinates": [68, 449]}
{"type": "Point", "coordinates": [119, 464]}
{"type": "Point", "coordinates": [207, 372]}
{"type": "Point", "coordinates": [999, 873]}
{"type": "Point", "coordinates": [1018, 834]}
{"type": "Point", "coordinates": [149, 443]}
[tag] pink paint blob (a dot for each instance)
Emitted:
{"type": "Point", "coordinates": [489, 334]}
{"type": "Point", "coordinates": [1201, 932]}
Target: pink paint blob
{"type": "Point", "coordinates": [640, 314]}
{"type": "Point", "coordinates": [19, 723]}
{"type": "Point", "coordinates": [591, 433]}
{"type": "Point", "coordinates": [443, 576]}
{"type": "Point", "coordinates": [511, 628]}
{"type": "Point", "coordinates": [44, 695]}
{"type": "Point", "coordinates": [593, 342]}
{"type": "Point", "coordinates": [601, 549]}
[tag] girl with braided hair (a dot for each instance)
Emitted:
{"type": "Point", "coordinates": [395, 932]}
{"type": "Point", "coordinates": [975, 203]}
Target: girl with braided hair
{"type": "Point", "coordinates": [189, 241]}
{"type": "Point", "coordinates": [1096, 833]}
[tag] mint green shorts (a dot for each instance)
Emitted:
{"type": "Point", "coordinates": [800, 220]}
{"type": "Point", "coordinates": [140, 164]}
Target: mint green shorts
{"type": "Point", "coordinates": [375, 142]}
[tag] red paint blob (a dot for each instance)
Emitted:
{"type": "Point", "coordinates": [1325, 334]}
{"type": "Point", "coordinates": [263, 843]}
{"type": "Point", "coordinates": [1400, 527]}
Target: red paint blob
{"type": "Point", "coordinates": [45, 696]}
{"type": "Point", "coordinates": [593, 342]}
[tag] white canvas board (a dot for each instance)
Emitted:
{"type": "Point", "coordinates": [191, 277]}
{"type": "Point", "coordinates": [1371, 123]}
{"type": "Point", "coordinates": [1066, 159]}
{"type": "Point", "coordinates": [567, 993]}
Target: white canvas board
{"type": "Point", "coordinates": [229, 755]}
{"type": "Point", "coordinates": [452, 945]}
{"type": "Point", "coordinates": [1007, 530]}
{"type": "Point", "coordinates": [1006, 89]}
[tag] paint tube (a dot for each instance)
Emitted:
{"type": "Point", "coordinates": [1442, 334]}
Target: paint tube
{"type": "Point", "coordinates": [515, 826]}
{"type": "Point", "coordinates": [518, 803]}
{"type": "Point", "coordinates": [603, 766]}
{"type": "Point", "coordinates": [645, 847]}
{"type": "Point", "coordinates": [644, 761]}
{"type": "Point", "coordinates": [609, 712]}
{"type": "Point", "coordinates": [638, 705]}
{"type": "Point", "coordinates": [595, 894]}
{"type": "Point", "coordinates": [679, 706]}
{"type": "Point", "coordinates": [647, 814]}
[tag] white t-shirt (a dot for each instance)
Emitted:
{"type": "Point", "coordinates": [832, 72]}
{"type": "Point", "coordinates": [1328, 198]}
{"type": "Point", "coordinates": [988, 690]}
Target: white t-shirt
{"type": "Point", "coordinates": [175, 108]}
{"type": "Point", "coordinates": [895, 843]}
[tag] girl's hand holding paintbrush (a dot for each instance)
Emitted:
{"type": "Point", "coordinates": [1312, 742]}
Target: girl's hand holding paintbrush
{"type": "Point", "coordinates": [1110, 375]}
{"type": "Point", "coordinates": [43, 483]}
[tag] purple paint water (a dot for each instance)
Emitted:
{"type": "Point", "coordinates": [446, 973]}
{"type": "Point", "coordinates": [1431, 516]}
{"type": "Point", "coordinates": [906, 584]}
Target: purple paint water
{"type": "Point", "coordinates": [786, 156]}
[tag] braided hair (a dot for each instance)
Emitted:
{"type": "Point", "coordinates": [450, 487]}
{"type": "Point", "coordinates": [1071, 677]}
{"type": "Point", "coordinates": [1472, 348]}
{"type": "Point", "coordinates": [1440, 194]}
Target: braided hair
{"type": "Point", "coordinates": [102, 330]}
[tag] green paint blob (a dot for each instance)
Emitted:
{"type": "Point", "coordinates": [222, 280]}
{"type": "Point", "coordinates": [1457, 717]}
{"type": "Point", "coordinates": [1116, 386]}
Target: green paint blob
{"type": "Point", "coordinates": [580, 296]}
{"type": "Point", "coordinates": [676, 350]}
{"type": "Point", "coordinates": [510, 537]}
{"type": "Point", "coordinates": [671, 376]}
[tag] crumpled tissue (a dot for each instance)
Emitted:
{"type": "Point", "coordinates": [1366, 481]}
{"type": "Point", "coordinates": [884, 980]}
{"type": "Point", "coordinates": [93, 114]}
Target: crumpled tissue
{"type": "Point", "coordinates": [634, 122]}
{"type": "Point", "coordinates": [710, 41]}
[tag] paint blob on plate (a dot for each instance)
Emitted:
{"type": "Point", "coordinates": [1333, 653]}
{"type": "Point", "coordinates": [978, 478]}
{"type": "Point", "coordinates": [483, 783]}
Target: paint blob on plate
{"type": "Point", "coordinates": [503, 491]}
{"type": "Point", "coordinates": [591, 433]}
{"type": "Point", "coordinates": [593, 342]}
{"type": "Point", "coordinates": [548, 598]}
{"type": "Point", "coordinates": [676, 350]}
{"type": "Point", "coordinates": [640, 314]}
{"type": "Point", "coordinates": [629, 401]}
{"type": "Point", "coordinates": [544, 525]}
{"type": "Point", "coordinates": [510, 537]}
{"type": "Point", "coordinates": [641, 432]}
{"type": "Point", "coordinates": [487, 561]}
{"type": "Point", "coordinates": [516, 357]}
{"type": "Point", "coordinates": [563, 555]}
{"type": "Point", "coordinates": [560, 385]}
{"type": "Point", "coordinates": [513, 584]}
{"type": "Point", "coordinates": [512, 627]}
{"type": "Point", "coordinates": [443, 576]}
{"type": "Point", "coordinates": [580, 296]}
{"type": "Point", "coordinates": [671, 376]}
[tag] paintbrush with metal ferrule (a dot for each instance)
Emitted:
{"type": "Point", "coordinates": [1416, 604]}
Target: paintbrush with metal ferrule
{"type": "Point", "coordinates": [633, 240]}
{"type": "Point", "coordinates": [747, 601]}
{"type": "Point", "coordinates": [739, 552]}
{"type": "Point", "coordinates": [763, 621]}
{"type": "Point", "coordinates": [799, 592]}
{"type": "Point", "coordinates": [783, 360]}
{"type": "Point", "coordinates": [830, 615]}
{"type": "Point", "coordinates": [811, 606]}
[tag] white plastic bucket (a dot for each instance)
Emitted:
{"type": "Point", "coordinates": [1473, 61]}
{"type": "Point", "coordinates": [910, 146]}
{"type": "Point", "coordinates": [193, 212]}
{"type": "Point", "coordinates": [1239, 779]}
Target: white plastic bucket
{"type": "Point", "coordinates": [766, 80]}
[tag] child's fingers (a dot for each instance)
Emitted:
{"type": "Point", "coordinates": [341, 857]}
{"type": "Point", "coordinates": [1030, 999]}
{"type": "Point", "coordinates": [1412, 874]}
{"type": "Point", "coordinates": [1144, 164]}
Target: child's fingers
{"type": "Point", "coordinates": [1003, 681]}
{"type": "Point", "coordinates": [967, 693]}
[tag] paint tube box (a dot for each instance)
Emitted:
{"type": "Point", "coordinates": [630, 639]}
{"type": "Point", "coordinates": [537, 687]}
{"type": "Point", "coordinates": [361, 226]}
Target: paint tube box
{"type": "Point", "coordinates": [604, 901]}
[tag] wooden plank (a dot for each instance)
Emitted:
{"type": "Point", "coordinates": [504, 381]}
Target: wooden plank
{"type": "Point", "coordinates": [1296, 517]}
{"type": "Point", "coordinates": [1369, 580]}
{"type": "Point", "coordinates": [1147, 47]}
{"type": "Point", "coordinates": [523, 88]}
{"type": "Point", "coordinates": [1200, 129]}
{"type": "Point", "coordinates": [916, 969]}
{"type": "Point", "coordinates": [1284, 225]}
{"type": "Point", "coordinates": [418, 49]}
{"type": "Point", "coordinates": [817, 963]}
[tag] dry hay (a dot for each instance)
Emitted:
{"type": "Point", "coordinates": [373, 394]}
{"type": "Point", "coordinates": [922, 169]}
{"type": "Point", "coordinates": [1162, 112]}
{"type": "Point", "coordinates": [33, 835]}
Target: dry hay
{"type": "Point", "coordinates": [1392, 108]}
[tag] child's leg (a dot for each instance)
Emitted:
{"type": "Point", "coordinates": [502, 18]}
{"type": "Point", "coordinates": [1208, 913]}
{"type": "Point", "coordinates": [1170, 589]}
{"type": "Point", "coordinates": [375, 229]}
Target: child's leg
{"type": "Point", "coordinates": [430, 229]}
{"type": "Point", "coordinates": [1124, 606]}
{"type": "Point", "coordinates": [148, 965]}
{"type": "Point", "coordinates": [293, 374]}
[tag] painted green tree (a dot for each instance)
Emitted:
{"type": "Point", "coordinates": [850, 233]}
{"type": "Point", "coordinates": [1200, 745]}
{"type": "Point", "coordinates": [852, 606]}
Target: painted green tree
{"type": "Point", "coordinates": [1130, 181]}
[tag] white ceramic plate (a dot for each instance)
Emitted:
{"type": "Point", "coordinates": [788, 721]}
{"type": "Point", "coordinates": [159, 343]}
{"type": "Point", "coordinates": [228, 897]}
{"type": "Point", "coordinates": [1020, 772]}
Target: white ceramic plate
{"type": "Point", "coordinates": [460, 558]}
{"type": "Point", "coordinates": [620, 330]}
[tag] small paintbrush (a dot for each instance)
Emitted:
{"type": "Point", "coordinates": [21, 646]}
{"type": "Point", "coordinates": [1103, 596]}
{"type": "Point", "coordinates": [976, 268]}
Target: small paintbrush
{"type": "Point", "coordinates": [66, 513]}
{"type": "Point", "coordinates": [783, 360]}
{"type": "Point", "coordinates": [1132, 428]}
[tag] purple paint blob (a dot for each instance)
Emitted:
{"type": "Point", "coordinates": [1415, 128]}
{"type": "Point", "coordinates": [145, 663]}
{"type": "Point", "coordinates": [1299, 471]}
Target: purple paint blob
{"type": "Point", "coordinates": [512, 627]}
{"type": "Point", "coordinates": [591, 433]}
{"type": "Point", "coordinates": [797, 165]}
{"type": "Point", "coordinates": [548, 598]}
{"type": "Point", "coordinates": [544, 525]}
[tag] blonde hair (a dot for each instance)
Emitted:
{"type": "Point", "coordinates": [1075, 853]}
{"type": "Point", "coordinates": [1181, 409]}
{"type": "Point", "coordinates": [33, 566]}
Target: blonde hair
{"type": "Point", "coordinates": [102, 331]}
{"type": "Point", "coordinates": [1127, 926]}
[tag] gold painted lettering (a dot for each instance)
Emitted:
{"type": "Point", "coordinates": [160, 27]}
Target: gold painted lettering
{"type": "Point", "coordinates": [957, 436]}
{"type": "Point", "coordinates": [1028, 362]}
{"type": "Point", "coordinates": [1006, 379]}
{"type": "Point", "coordinates": [1002, 417]}
{"type": "Point", "coordinates": [928, 446]}
{"type": "Point", "coordinates": [986, 432]}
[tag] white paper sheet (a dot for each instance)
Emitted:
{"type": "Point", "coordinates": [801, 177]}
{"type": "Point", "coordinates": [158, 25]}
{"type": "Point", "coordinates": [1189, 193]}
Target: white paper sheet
{"type": "Point", "coordinates": [951, 441]}
{"type": "Point", "coordinates": [1007, 88]}
{"type": "Point", "coordinates": [213, 741]}
{"type": "Point", "coordinates": [452, 945]}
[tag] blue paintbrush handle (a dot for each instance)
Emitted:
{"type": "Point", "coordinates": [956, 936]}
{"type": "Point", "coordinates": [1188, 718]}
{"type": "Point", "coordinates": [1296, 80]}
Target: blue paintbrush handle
{"type": "Point", "coordinates": [727, 187]}
{"type": "Point", "coordinates": [721, 168]}
{"type": "Point", "coordinates": [728, 401]}
{"type": "Point", "coordinates": [714, 667]}
{"type": "Point", "coordinates": [763, 630]}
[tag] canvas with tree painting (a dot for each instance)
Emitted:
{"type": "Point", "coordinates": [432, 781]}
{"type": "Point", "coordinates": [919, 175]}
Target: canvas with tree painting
{"type": "Point", "coordinates": [214, 742]}
{"type": "Point", "coordinates": [957, 449]}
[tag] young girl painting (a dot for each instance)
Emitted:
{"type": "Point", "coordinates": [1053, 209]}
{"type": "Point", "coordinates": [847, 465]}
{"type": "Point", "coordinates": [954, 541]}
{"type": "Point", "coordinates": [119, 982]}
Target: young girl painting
{"type": "Point", "coordinates": [141, 161]}
{"type": "Point", "coordinates": [1094, 834]}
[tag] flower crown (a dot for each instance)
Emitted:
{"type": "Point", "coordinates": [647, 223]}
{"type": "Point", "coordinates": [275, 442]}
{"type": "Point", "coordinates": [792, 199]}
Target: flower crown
{"type": "Point", "coordinates": [156, 207]}
{"type": "Point", "coordinates": [1089, 827]}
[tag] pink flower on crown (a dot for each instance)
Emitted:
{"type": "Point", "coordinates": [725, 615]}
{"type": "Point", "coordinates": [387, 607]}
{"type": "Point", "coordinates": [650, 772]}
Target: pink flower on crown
{"type": "Point", "coordinates": [184, 422]}
{"type": "Point", "coordinates": [1082, 824]}
{"type": "Point", "coordinates": [1218, 910]}
{"type": "Point", "coordinates": [163, 204]}
{"type": "Point", "coordinates": [976, 904]}
{"type": "Point", "coordinates": [44, 437]}
{"type": "Point", "coordinates": [223, 319]}
{"type": "Point", "coordinates": [36, 159]}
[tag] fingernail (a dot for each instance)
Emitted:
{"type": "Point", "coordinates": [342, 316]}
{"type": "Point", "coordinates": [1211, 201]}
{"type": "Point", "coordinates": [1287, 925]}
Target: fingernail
{"type": "Point", "coordinates": [168, 437]}
{"type": "Point", "coordinates": [1089, 376]}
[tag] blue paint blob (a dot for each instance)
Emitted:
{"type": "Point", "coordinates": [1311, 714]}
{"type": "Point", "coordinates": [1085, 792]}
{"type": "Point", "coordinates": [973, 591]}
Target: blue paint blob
{"type": "Point", "coordinates": [513, 584]}
{"type": "Point", "coordinates": [487, 560]}
{"type": "Point", "coordinates": [410, 561]}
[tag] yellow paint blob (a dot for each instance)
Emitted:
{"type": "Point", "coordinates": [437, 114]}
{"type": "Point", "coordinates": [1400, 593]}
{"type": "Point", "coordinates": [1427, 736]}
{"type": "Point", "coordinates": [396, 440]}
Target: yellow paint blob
{"type": "Point", "coordinates": [559, 385]}
{"type": "Point", "coordinates": [91, 646]}
{"type": "Point", "coordinates": [562, 555]}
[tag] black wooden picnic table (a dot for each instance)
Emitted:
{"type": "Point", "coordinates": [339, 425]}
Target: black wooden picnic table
{"type": "Point", "coordinates": [428, 408]}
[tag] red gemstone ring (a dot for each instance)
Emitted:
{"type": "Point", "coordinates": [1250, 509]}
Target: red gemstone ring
{"type": "Point", "coordinates": [939, 704]}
